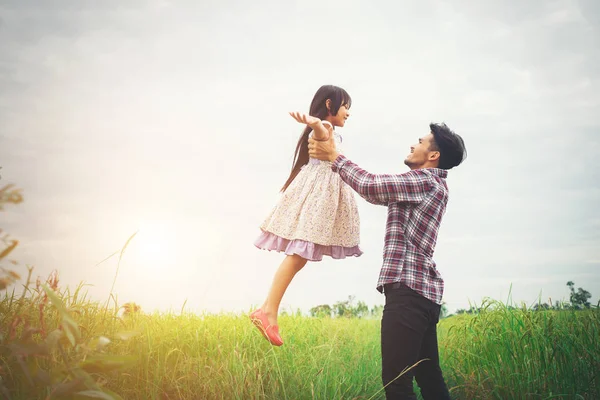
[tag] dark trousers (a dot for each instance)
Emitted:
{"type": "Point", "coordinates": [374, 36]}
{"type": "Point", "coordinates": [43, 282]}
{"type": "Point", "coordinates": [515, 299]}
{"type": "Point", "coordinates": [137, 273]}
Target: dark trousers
{"type": "Point", "coordinates": [409, 334]}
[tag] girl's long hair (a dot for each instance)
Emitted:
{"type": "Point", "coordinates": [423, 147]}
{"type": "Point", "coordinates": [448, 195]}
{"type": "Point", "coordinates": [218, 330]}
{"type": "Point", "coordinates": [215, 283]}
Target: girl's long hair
{"type": "Point", "coordinates": [318, 108]}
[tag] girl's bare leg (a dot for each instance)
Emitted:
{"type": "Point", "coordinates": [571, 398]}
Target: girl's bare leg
{"type": "Point", "coordinates": [287, 270]}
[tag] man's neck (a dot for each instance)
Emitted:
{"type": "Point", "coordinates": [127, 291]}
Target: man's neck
{"type": "Point", "coordinates": [426, 165]}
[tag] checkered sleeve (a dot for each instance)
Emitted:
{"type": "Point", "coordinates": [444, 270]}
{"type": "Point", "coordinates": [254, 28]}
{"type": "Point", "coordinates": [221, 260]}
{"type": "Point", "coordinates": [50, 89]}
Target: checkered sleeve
{"type": "Point", "coordinates": [383, 189]}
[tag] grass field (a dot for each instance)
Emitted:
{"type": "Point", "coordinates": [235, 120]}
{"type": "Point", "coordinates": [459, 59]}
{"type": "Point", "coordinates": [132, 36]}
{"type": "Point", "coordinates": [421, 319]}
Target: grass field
{"type": "Point", "coordinates": [500, 353]}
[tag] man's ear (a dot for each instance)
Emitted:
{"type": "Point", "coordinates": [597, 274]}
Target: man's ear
{"type": "Point", "coordinates": [434, 155]}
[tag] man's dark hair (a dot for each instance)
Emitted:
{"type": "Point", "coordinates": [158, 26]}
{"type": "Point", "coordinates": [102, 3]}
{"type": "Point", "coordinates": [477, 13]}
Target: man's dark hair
{"type": "Point", "coordinates": [450, 145]}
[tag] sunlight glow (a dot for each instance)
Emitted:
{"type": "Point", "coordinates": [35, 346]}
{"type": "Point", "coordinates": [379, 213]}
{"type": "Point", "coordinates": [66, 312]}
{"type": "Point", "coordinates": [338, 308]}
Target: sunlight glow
{"type": "Point", "coordinates": [155, 246]}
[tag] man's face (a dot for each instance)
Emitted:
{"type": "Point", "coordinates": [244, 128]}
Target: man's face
{"type": "Point", "coordinates": [420, 153]}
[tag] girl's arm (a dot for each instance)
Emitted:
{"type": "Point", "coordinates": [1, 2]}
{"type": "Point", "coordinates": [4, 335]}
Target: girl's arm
{"type": "Point", "coordinates": [322, 129]}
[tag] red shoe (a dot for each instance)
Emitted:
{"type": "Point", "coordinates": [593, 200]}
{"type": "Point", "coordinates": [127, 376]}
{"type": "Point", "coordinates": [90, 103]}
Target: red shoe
{"type": "Point", "coordinates": [270, 332]}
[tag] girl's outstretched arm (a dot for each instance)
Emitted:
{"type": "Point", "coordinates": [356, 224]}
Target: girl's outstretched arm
{"type": "Point", "coordinates": [322, 129]}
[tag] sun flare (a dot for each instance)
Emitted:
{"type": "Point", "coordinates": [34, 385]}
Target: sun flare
{"type": "Point", "coordinates": [154, 246]}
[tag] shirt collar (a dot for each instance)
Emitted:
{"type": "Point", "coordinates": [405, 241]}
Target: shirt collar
{"type": "Point", "coordinates": [442, 173]}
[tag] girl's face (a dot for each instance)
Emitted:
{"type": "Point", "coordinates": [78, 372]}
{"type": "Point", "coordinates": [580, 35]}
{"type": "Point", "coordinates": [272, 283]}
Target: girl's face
{"type": "Point", "coordinates": [342, 115]}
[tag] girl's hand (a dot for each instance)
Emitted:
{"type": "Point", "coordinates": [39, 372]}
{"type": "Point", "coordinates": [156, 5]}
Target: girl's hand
{"type": "Point", "coordinates": [321, 132]}
{"type": "Point", "coordinates": [313, 122]}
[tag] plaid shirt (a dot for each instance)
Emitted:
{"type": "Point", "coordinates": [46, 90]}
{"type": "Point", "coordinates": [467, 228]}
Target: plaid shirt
{"type": "Point", "coordinates": [416, 202]}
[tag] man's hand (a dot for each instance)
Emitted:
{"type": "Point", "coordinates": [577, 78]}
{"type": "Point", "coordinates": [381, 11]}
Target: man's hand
{"type": "Point", "coordinates": [323, 150]}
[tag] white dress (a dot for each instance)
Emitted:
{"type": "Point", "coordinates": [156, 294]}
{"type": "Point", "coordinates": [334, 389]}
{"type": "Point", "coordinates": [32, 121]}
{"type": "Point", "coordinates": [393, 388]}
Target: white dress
{"type": "Point", "coordinates": [315, 216]}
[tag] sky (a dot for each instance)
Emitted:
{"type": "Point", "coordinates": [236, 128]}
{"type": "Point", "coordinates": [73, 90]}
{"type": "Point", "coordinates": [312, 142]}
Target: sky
{"type": "Point", "coordinates": [170, 119]}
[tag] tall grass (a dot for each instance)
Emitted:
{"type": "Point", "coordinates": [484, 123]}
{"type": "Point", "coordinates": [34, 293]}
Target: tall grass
{"type": "Point", "coordinates": [516, 353]}
{"type": "Point", "coordinates": [500, 353]}
{"type": "Point", "coordinates": [188, 356]}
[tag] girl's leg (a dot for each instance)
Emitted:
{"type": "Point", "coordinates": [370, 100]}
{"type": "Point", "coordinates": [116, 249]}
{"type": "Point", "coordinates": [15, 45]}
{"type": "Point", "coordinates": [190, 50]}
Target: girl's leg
{"type": "Point", "coordinates": [284, 275]}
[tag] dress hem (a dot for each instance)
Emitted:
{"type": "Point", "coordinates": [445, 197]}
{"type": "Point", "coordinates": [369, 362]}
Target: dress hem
{"type": "Point", "coordinates": [305, 249]}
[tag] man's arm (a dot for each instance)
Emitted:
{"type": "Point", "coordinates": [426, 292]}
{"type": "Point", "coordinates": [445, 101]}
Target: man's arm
{"type": "Point", "coordinates": [410, 187]}
{"type": "Point", "coordinates": [383, 189]}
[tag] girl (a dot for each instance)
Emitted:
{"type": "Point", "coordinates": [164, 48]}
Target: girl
{"type": "Point", "coordinates": [316, 214]}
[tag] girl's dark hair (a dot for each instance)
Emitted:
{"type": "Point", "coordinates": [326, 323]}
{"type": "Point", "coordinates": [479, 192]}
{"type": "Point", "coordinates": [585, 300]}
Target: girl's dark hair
{"type": "Point", "coordinates": [338, 97]}
{"type": "Point", "coordinates": [450, 145]}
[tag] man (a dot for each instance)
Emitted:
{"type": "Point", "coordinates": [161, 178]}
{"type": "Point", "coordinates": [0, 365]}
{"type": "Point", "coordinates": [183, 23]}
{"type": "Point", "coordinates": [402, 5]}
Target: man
{"type": "Point", "coordinates": [412, 285]}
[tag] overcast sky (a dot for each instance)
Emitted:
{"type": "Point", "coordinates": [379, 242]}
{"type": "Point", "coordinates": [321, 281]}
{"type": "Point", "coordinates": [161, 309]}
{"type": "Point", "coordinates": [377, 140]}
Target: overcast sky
{"type": "Point", "coordinates": [171, 117]}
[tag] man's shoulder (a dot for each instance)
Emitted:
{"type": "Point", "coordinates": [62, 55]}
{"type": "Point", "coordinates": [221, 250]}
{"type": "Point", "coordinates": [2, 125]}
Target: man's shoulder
{"type": "Point", "coordinates": [427, 173]}
{"type": "Point", "coordinates": [437, 178]}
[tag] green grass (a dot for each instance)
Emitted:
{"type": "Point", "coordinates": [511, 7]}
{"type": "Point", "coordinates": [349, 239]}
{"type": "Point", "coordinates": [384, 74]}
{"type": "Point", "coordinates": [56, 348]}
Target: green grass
{"type": "Point", "coordinates": [507, 353]}
{"type": "Point", "coordinates": [499, 354]}
{"type": "Point", "coordinates": [225, 357]}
